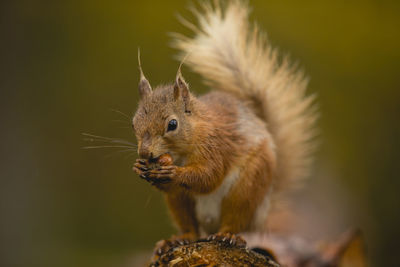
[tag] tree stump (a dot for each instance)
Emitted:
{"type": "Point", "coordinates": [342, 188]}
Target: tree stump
{"type": "Point", "coordinates": [212, 253]}
{"type": "Point", "coordinates": [268, 250]}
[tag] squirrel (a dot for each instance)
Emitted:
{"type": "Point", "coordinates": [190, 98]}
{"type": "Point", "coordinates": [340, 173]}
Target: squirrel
{"type": "Point", "coordinates": [236, 148]}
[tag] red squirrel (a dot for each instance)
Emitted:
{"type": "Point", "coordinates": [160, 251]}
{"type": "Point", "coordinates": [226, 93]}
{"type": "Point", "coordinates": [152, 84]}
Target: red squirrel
{"type": "Point", "coordinates": [238, 146]}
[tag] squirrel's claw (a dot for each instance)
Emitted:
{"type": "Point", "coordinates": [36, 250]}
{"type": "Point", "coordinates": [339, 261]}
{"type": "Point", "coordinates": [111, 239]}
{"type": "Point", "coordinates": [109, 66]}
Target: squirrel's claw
{"type": "Point", "coordinates": [164, 246]}
{"type": "Point", "coordinates": [141, 161]}
{"type": "Point", "coordinates": [228, 239]}
{"type": "Point", "coordinates": [164, 172]}
{"type": "Point", "coordinates": [141, 167]}
{"type": "Point", "coordinates": [160, 175]}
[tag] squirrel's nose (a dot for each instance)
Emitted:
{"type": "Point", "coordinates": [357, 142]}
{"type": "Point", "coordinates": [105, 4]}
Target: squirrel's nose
{"type": "Point", "coordinates": [144, 146]}
{"type": "Point", "coordinates": [145, 154]}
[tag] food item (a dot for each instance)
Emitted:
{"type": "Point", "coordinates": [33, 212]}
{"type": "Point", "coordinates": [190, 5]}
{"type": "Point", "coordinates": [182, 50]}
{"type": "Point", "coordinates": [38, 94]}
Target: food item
{"type": "Point", "coordinates": [163, 160]}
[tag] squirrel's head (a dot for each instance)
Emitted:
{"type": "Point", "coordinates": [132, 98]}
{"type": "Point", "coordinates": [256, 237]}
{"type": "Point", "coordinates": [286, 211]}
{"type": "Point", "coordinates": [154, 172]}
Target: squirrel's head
{"type": "Point", "coordinates": [162, 122]}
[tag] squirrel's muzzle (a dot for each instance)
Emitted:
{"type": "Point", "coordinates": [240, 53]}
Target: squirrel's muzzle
{"type": "Point", "coordinates": [144, 154]}
{"type": "Point", "coordinates": [144, 147]}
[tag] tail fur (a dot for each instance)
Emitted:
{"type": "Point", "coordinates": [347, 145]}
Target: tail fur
{"type": "Point", "coordinates": [234, 56]}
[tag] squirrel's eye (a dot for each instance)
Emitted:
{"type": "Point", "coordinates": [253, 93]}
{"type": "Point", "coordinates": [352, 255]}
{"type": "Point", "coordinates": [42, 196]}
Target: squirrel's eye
{"type": "Point", "coordinates": [172, 124]}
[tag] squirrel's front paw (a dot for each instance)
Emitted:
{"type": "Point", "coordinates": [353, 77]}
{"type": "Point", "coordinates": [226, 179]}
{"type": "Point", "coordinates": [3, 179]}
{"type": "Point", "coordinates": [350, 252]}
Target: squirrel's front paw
{"type": "Point", "coordinates": [160, 176]}
{"type": "Point", "coordinates": [141, 168]}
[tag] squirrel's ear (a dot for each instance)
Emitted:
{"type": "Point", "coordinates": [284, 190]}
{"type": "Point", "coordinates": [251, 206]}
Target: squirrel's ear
{"type": "Point", "coordinates": [181, 90]}
{"type": "Point", "coordinates": [144, 85]}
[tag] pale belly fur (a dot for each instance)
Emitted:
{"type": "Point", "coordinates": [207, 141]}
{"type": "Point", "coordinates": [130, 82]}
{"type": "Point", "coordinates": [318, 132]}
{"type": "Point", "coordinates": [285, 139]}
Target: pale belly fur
{"type": "Point", "coordinates": [208, 207]}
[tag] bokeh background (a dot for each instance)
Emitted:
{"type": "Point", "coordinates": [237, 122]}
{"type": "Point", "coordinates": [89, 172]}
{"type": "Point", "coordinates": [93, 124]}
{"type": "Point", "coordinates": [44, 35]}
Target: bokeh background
{"type": "Point", "coordinates": [66, 65]}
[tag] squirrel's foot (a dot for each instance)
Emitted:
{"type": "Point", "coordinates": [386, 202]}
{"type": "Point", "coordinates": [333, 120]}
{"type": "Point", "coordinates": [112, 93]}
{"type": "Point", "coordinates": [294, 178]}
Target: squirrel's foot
{"type": "Point", "coordinates": [228, 238]}
{"type": "Point", "coordinates": [163, 246]}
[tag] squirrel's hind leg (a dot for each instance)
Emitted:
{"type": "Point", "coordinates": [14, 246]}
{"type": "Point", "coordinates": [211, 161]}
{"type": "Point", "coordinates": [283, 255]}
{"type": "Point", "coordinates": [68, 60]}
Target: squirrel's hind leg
{"type": "Point", "coordinates": [240, 206]}
{"type": "Point", "coordinates": [181, 206]}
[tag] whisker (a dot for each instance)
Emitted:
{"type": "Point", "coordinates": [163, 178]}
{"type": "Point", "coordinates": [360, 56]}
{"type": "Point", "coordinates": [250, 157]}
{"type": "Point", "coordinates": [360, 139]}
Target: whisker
{"type": "Point", "coordinates": [148, 200]}
{"type": "Point", "coordinates": [120, 112]}
{"type": "Point", "coordinates": [93, 138]}
{"type": "Point", "coordinates": [121, 121]}
{"type": "Point", "coordinates": [92, 147]}
{"type": "Point", "coordinates": [122, 146]}
{"type": "Point", "coordinates": [117, 152]}
{"type": "Point", "coordinates": [97, 136]}
{"type": "Point", "coordinates": [122, 142]}
{"type": "Point", "coordinates": [124, 127]}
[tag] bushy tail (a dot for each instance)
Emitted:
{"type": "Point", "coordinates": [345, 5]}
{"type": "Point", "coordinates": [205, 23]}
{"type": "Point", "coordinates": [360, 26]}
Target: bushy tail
{"type": "Point", "coordinates": [233, 56]}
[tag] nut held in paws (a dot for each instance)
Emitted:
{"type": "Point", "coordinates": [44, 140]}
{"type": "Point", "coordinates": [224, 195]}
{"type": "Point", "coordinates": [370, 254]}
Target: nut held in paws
{"type": "Point", "coordinates": [165, 160]}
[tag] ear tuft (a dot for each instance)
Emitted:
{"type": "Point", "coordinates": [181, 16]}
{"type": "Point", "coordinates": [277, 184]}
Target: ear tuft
{"type": "Point", "coordinates": [181, 90]}
{"type": "Point", "coordinates": [144, 85]}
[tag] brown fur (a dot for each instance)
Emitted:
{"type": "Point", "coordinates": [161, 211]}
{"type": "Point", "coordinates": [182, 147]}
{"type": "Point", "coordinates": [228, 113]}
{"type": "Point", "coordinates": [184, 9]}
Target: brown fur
{"type": "Point", "coordinates": [181, 206]}
{"type": "Point", "coordinates": [249, 192]}
{"type": "Point", "coordinates": [208, 146]}
{"type": "Point", "coordinates": [234, 56]}
{"type": "Point", "coordinates": [222, 140]}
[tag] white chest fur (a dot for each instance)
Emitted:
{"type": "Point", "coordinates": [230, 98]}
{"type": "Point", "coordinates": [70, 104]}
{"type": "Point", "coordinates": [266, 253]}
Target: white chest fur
{"type": "Point", "coordinates": [208, 207]}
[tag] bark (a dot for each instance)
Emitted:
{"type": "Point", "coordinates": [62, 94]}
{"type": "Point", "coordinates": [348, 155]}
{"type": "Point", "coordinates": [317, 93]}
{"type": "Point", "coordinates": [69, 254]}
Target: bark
{"type": "Point", "coordinates": [269, 250]}
{"type": "Point", "coordinates": [213, 253]}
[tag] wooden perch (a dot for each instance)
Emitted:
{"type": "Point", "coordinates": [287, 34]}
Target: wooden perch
{"type": "Point", "coordinates": [268, 250]}
{"type": "Point", "coordinates": [212, 253]}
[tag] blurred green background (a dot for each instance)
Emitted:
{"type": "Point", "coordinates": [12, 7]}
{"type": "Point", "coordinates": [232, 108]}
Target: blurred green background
{"type": "Point", "coordinates": [66, 64]}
